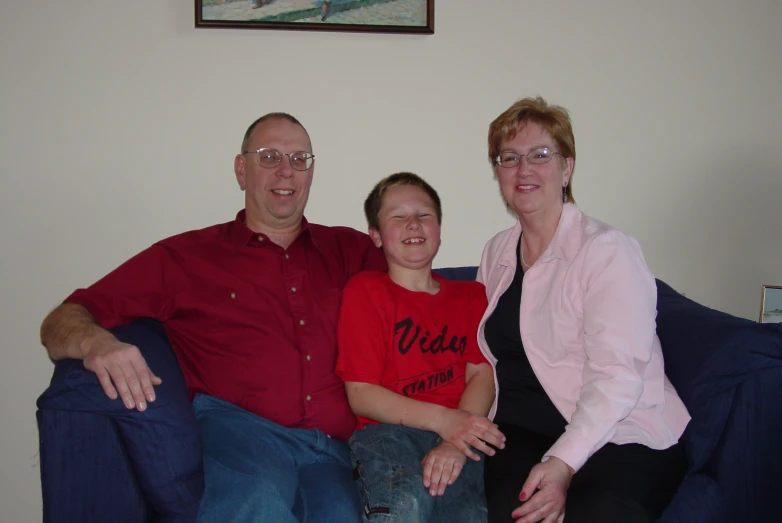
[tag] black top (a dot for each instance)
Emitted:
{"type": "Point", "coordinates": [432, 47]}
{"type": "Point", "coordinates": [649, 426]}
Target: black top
{"type": "Point", "coordinates": [522, 400]}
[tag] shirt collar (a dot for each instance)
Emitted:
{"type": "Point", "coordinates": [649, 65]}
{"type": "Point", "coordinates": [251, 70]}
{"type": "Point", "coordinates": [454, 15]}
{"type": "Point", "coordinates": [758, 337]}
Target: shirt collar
{"type": "Point", "coordinates": [564, 245]}
{"type": "Point", "coordinates": [241, 235]}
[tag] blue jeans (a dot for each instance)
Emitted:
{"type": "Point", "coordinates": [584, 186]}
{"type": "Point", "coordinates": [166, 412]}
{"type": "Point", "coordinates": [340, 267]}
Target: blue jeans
{"type": "Point", "coordinates": [388, 458]}
{"type": "Point", "coordinates": [260, 472]}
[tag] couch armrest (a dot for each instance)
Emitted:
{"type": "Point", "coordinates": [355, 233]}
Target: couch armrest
{"type": "Point", "coordinates": [727, 371]}
{"type": "Point", "coordinates": [708, 354]}
{"type": "Point", "coordinates": [698, 500]}
{"type": "Point", "coordinates": [748, 459]}
{"type": "Point", "coordinates": [162, 443]}
{"type": "Point", "coordinates": [80, 454]}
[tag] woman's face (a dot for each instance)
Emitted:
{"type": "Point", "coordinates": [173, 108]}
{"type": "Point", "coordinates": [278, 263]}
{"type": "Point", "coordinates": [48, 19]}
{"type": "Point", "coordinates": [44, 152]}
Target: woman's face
{"type": "Point", "coordinates": [529, 188]}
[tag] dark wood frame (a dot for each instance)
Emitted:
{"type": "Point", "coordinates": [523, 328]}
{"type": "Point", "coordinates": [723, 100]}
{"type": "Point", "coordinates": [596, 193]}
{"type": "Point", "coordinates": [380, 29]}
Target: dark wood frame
{"type": "Point", "coordinates": [300, 26]}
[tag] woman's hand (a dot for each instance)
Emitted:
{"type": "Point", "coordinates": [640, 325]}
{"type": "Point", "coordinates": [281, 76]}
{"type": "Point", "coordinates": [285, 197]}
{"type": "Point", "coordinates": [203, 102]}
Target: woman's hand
{"type": "Point", "coordinates": [551, 479]}
{"type": "Point", "coordinates": [442, 465]}
{"type": "Point", "coordinates": [467, 431]}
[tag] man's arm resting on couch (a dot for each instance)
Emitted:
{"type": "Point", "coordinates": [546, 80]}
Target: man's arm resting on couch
{"type": "Point", "coordinates": [70, 331]}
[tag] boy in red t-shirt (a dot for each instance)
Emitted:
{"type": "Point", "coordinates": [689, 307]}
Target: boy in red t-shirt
{"type": "Point", "coordinates": [413, 372]}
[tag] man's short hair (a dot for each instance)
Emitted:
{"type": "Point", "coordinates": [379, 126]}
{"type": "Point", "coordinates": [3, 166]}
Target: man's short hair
{"type": "Point", "coordinates": [374, 201]}
{"type": "Point", "coordinates": [271, 116]}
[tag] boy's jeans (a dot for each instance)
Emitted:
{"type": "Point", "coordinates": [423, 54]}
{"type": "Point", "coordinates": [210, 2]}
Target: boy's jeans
{"type": "Point", "coordinates": [388, 458]}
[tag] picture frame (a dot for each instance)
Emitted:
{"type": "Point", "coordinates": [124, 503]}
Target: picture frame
{"type": "Point", "coordinates": [771, 304]}
{"type": "Point", "coordinates": [354, 16]}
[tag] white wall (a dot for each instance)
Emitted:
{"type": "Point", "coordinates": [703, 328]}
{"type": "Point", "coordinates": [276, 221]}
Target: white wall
{"type": "Point", "coordinates": [120, 122]}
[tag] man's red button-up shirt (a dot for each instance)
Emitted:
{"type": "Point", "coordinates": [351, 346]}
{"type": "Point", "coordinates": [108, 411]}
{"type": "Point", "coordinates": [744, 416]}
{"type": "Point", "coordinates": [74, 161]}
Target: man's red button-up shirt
{"type": "Point", "coordinates": [250, 322]}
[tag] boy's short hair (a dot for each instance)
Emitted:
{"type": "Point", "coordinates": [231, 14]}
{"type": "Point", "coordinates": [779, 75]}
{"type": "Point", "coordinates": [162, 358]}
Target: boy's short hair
{"type": "Point", "coordinates": [375, 199]}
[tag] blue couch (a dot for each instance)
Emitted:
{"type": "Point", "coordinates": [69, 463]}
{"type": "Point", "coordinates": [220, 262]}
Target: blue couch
{"type": "Point", "coordinates": [103, 463]}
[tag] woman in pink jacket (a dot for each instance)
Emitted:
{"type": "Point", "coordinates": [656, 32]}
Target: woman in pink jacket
{"type": "Point", "coordinates": [591, 421]}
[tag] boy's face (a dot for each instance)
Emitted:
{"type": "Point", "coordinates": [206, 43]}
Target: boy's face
{"type": "Point", "coordinates": [409, 233]}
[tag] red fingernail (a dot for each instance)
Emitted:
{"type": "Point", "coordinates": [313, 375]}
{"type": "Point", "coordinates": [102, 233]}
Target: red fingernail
{"type": "Point", "coordinates": [522, 496]}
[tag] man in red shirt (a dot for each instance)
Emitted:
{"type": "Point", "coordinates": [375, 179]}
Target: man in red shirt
{"type": "Point", "coordinates": [250, 308]}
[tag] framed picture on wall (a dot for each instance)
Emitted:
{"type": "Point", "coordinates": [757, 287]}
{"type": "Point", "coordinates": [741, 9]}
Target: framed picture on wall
{"type": "Point", "coordinates": [357, 16]}
{"type": "Point", "coordinates": [771, 304]}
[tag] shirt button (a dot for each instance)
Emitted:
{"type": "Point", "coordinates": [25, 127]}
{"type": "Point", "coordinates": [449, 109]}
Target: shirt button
{"type": "Point", "coordinates": [308, 398]}
{"type": "Point", "coordinates": [260, 238]}
{"type": "Point", "coordinates": [301, 322]}
{"type": "Point", "coordinates": [286, 256]}
{"type": "Point", "coordinates": [308, 357]}
{"type": "Point", "coordinates": [233, 295]}
{"type": "Point", "coordinates": [293, 289]}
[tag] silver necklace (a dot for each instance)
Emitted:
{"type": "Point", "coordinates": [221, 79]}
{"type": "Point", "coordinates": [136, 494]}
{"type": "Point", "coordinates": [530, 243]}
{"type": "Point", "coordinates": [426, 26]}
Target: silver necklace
{"type": "Point", "coordinates": [522, 255]}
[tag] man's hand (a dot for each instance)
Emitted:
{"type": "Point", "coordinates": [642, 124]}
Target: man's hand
{"type": "Point", "coordinates": [70, 331]}
{"type": "Point", "coordinates": [551, 479]}
{"type": "Point", "coordinates": [467, 431]}
{"type": "Point", "coordinates": [122, 369]}
{"type": "Point", "coordinates": [442, 465]}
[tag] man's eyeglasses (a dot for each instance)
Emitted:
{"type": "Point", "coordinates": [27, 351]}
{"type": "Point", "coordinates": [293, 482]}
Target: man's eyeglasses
{"type": "Point", "coordinates": [270, 158]}
{"type": "Point", "coordinates": [538, 156]}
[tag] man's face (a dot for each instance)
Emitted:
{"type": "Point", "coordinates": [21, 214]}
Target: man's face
{"type": "Point", "coordinates": [274, 198]}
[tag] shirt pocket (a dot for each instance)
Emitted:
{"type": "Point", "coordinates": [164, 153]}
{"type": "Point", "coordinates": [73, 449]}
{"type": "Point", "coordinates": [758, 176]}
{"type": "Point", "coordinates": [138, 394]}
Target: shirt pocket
{"type": "Point", "coordinates": [232, 314]}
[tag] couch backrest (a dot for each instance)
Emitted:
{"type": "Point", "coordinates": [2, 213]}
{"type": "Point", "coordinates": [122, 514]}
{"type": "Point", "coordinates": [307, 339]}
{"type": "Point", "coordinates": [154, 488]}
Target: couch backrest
{"type": "Point", "coordinates": [468, 272]}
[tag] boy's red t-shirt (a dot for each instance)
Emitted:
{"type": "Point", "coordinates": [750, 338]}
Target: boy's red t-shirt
{"type": "Point", "coordinates": [413, 343]}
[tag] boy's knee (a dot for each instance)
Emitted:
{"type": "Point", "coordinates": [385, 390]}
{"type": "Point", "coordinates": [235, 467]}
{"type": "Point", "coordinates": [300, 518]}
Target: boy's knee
{"type": "Point", "coordinates": [408, 505]}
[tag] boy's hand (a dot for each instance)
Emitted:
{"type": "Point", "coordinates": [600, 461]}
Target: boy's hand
{"type": "Point", "coordinates": [442, 465]}
{"type": "Point", "coordinates": [467, 430]}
